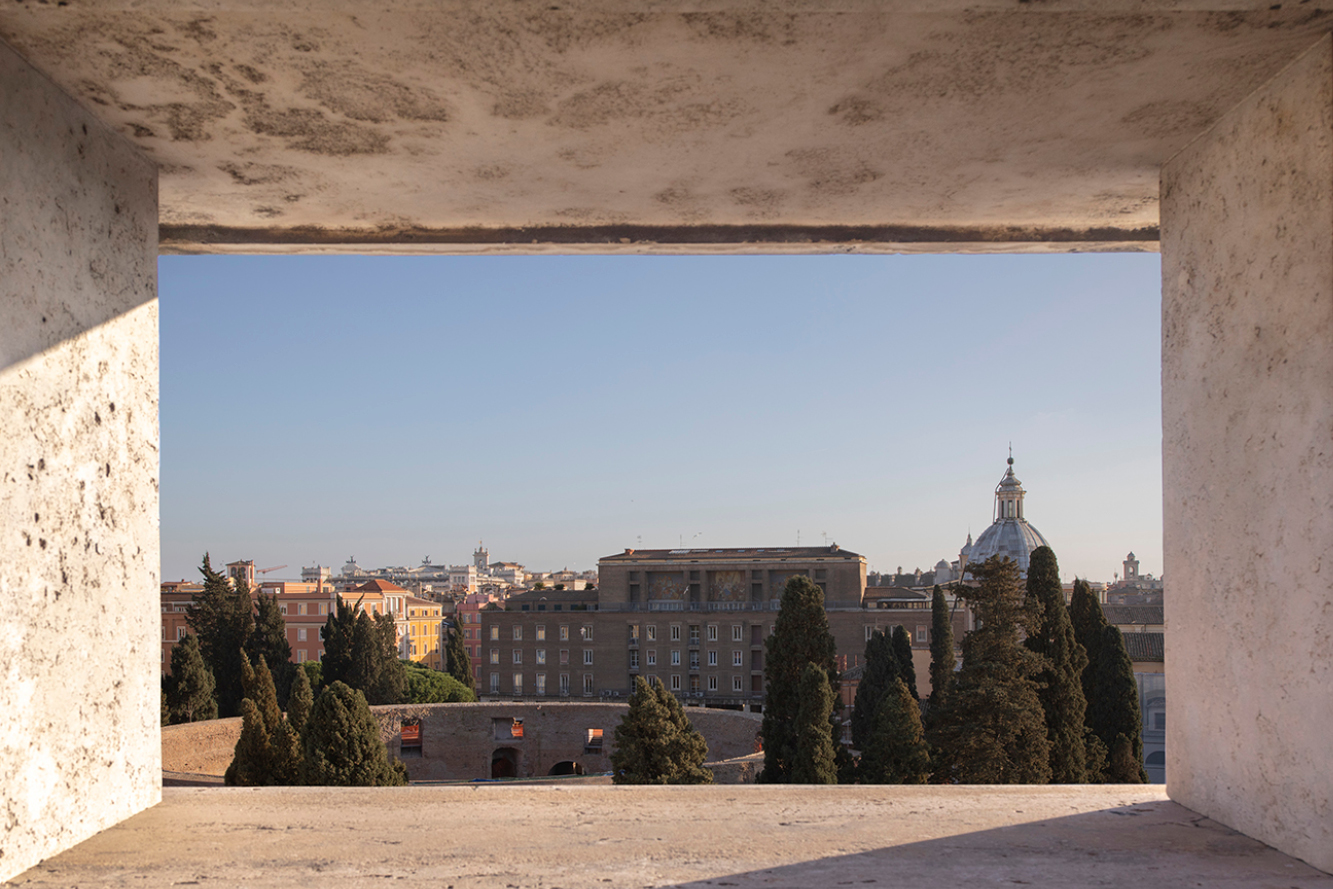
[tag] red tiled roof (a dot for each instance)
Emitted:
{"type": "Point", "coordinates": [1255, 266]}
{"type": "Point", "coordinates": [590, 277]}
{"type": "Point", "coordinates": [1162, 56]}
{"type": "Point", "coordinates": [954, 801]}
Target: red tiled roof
{"type": "Point", "coordinates": [379, 586]}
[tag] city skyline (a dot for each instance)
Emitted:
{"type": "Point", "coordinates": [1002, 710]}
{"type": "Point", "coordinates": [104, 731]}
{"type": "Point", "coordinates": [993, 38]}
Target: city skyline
{"type": "Point", "coordinates": [565, 408]}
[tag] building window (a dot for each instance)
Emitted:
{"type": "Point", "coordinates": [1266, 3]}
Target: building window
{"type": "Point", "coordinates": [495, 634]}
{"type": "Point", "coordinates": [300, 634]}
{"type": "Point", "coordinates": [634, 632]}
{"type": "Point", "coordinates": [564, 684]}
{"type": "Point", "coordinates": [518, 683]}
{"type": "Point", "coordinates": [495, 655]}
{"type": "Point", "coordinates": [587, 632]}
{"type": "Point", "coordinates": [539, 685]}
{"type": "Point", "coordinates": [301, 656]}
{"type": "Point", "coordinates": [712, 632]}
{"type": "Point", "coordinates": [282, 609]}
{"type": "Point", "coordinates": [712, 658]}
{"type": "Point", "coordinates": [300, 608]}
{"type": "Point", "coordinates": [652, 657]}
{"type": "Point", "coordinates": [541, 632]}
{"type": "Point", "coordinates": [694, 634]}
{"type": "Point", "coordinates": [180, 633]}
{"type": "Point", "coordinates": [564, 655]}
{"type": "Point", "coordinates": [675, 657]}
{"type": "Point", "coordinates": [819, 574]}
{"type": "Point", "coordinates": [495, 683]}
{"type": "Point", "coordinates": [694, 660]}
{"type": "Point", "coordinates": [541, 655]}
{"type": "Point", "coordinates": [694, 684]}
{"type": "Point", "coordinates": [736, 659]}
{"type": "Point", "coordinates": [564, 633]}
{"type": "Point", "coordinates": [712, 683]}
{"type": "Point", "coordinates": [587, 684]}
{"type": "Point", "coordinates": [870, 631]}
{"type": "Point", "coordinates": [518, 632]}
{"type": "Point", "coordinates": [675, 632]}
{"type": "Point", "coordinates": [736, 684]}
{"type": "Point", "coordinates": [323, 608]}
{"type": "Point", "coordinates": [634, 660]}
{"type": "Point", "coordinates": [675, 682]}
{"type": "Point", "coordinates": [587, 657]}
{"type": "Point", "coordinates": [920, 634]}
{"type": "Point", "coordinates": [652, 632]}
{"type": "Point", "coordinates": [736, 633]}
{"type": "Point", "coordinates": [518, 655]}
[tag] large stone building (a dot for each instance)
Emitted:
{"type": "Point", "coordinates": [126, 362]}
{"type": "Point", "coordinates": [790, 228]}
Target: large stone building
{"type": "Point", "coordinates": [1010, 534]}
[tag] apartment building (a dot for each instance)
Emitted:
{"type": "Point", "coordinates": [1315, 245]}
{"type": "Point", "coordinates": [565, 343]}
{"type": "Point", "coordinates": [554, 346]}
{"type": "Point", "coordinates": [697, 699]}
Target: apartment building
{"type": "Point", "coordinates": [425, 627]}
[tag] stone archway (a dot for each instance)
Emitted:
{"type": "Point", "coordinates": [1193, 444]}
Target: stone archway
{"type": "Point", "coordinates": [504, 763]}
{"type": "Point", "coordinates": [567, 767]}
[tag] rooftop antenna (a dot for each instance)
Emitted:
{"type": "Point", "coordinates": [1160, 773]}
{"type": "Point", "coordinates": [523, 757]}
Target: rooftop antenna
{"type": "Point", "coordinates": [798, 536]}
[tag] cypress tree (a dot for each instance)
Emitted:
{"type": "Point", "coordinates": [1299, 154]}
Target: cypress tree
{"type": "Point", "coordinates": [814, 762]}
{"type": "Point", "coordinates": [337, 633]}
{"type": "Point", "coordinates": [941, 649]}
{"type": "Point", "coordinates": [222, 617]}
{"type": "Point", "coordinates": [1085, 612]}
{"type": "Point", "coordinates": [268, 640]}
{"type": "Point", "coordinates": [341, 744]}
{"type": "Point", "coordinates": [314, 674]}
{"type": "Point", "coordinates": [190, 685]}
{"type": "Point", "coordinates": [299, 702]}
{"type": "Point", "coordinates": [457, 662]}
{"type": "Point", "coordinates": [686, 748]}
{"type": "Point", "coordinates": [250, 765]}
{"type": "Point", "coordinates": [262, 692]}
{"type": "Point", "coordinates": [902, 652]}
{"type": "Point", "coordinates": [992, 729]}
{"type": "Point", "coordinates": [1061, 679]}
{"type": "Point", "coordinates": [896, 752]}
{"type": "Point", "coordinates": [801, 636]}
{"type": "Point", "coordinates": [387, 684]}
{"type": "Point", "coordinates": [655, 742]}
{"type": "Point", "coordinates": [1113, 711]}
{"type": "Point", "coordinates": [881, 668]}
{"type": "Point", "coordinates": [284, 755]}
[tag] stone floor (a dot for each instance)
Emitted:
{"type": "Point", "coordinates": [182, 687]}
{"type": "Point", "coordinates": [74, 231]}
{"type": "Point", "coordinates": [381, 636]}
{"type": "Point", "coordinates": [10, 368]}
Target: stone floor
{"type": "Point", "coordinates": [580, 836]}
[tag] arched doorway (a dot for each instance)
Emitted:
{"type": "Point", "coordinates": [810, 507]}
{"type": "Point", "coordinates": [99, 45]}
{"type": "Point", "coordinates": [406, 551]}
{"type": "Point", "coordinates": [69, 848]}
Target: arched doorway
{"type": "Point", "coordinates": [566, 767]}
{"type": "Point", "coordinates": [504, 763]}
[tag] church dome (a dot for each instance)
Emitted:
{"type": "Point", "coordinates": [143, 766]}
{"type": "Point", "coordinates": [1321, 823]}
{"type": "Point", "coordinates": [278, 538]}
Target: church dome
{"type": "Point", "coordinates": [1010, 534]}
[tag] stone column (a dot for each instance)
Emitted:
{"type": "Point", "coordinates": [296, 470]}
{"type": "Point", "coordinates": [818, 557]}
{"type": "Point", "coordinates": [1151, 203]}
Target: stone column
{"type": "Point", "coordinates": [80, 628]}
{"type": "Point", "coordinates": [1247, 416]}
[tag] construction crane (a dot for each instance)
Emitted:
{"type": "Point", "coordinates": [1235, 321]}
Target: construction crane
{"type": "Point", "coordinates": [267, 570]}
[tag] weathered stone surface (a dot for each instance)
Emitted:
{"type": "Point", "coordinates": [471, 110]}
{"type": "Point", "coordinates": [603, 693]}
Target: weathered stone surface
{"type": "Point", "coordinates": [79, 630]}
{"type": "Point", "coordinates": [1247, 405]}
{"type": "Point", "coordinates": [659, 125]}
{"type": "Point", "coordinates": [517, 836]}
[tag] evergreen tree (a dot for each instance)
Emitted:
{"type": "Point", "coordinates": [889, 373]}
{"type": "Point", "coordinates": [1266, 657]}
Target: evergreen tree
{"type": "Point", "coordinates": [427, 686]}
{"type": "Point", "coordinates": [902, 652]}
{"type": "Point", "coordinates": [299, 702]}
{"type": "Point", "coordinates": [284, 755]}
{"type": "Point", "coordinates": [457, 662]}
{"type": "Point", "coordinates": [268, 640]}
{"type": "Point", "coordinates": [388, 683]}
{"type": "Point", "coordinates": [337, 633]}
{"type": "Point", "coordinates": [941, 649]}
{"type": "Point", "coordinates": [222, 617]}
{"type": "Point", "coordinates": [1061, 680]}
{"type": "Point", "coordinates": [1085, 612]}
{"type": "Point", "coordinates": [341, 743]}
{"type": "Point", "coordinates": [881, 668]}
{"type": "Point", "coordinates": [992, 729]}
{"type": "Point", "coordinates": [250, 765]}
{"type": "Point", "coordinates": [655, 742]}
{"type": "Point", "coordinates": [314, 674]}
{"type": "Point", "coordinates": [1113, 710]}
{"type": "Point", "coordinates": [190, 685]}
{"type": "Point", "coordinates": [801, 636]}
{"type": "Point", "coordinates": [814, 762]}
{"type": "Point", "coordinates": [362, 652]}
{"type": "Point", "coordinates": [896, 752]}
{"type": "Point", "coordinates": [261, 691]}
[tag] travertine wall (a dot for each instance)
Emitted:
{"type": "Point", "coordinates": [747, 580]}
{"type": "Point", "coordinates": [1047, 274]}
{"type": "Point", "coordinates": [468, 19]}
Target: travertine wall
{"type": "Point", "coordinates": [1247, 403]}
{"type": "Point", "coordinates": [79, 647]}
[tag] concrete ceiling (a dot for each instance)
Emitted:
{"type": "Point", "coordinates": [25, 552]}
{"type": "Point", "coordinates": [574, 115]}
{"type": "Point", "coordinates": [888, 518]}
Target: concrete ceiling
{"type": "Point", "coordinates": [564, 125]}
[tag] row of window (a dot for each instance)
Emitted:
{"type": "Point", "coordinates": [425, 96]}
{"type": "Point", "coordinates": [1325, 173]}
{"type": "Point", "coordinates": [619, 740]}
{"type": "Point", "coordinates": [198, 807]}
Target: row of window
{"type": "Point", "coordinates": [517, 656]}
{"type": "Point", "coordinates": [650, 658]}
{"type": "Point", "coordinates": [302, 607]}
{"type": "Point", "coordinates": [922, 632]}
{"type": "Point", "coordinates": [539, 684]}
{"type": "Point", "coordinates": [674, 632]}
{"type": "Point", "coordinates": [755, 574]}
{"type": "Point", "coordinates": [585, 633]}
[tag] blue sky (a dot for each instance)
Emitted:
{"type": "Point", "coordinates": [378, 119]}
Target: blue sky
{"type": "Point", "coordinates": [563, 408]}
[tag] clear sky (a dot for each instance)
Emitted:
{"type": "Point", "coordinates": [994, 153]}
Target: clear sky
{"type": "Point", "coordinates": [561, 409]}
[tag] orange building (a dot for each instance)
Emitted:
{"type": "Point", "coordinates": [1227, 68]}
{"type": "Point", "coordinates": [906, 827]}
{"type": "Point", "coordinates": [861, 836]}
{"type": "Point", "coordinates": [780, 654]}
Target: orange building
{"type": "Point", "coordinates": [425, 621]}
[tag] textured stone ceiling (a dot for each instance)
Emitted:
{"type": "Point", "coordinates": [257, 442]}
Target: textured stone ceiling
{"type": "Point", "coordinates": [453, 125]}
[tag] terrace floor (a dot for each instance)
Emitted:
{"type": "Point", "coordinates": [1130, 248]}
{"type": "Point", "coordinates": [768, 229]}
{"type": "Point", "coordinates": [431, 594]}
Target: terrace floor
{"type": "Point", "coordinates": [580, 836]}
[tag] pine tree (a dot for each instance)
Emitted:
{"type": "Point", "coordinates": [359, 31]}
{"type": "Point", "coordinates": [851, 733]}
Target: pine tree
{"type": "Point", "coordinates": [992, 729]}
{"type": "Point", "coordinates": [655, 742]}
{"type": "Point", "coordinates": [268, 640]}
{"type": "Point", "coordinates": [250, 765]}
{"type": "Point", "coordinates": [814, 762]}
{"type": "Point", "coordinates": [190, 685]}
{"type": "Point", "coordinates": [902, 652]}
{"type": "Point", "coordinates": [387, 683]}
{"type": "Point", "coordinates": [341, 743]}
{"type": "Point", "coordinates": [1113, 710]}
{"type": "Point", "coordinates": [881, 668]}
{"type": "Point", "coordinates": [801, 636]}
{"type": "Point", "coordinates": [941, 649]}
{"type": "Point", "coordinates": [896, 752]}
{"type": "Point", "coordinates": [1061, 679]}
{"type": "Point", "coordinates": [222, 616]}
{"type": "Point", "coordinates": [299, 702]}
{"type": "Point", "coordinates": [457, 662]}
{"type": "Point", "coordinates": [1085, 613]}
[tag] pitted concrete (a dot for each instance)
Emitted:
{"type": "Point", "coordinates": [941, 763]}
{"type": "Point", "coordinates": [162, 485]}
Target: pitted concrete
{"type": "Point", "coordinates": [519, 837]}
{"type": "Point", "coordinates": [659, 125]}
